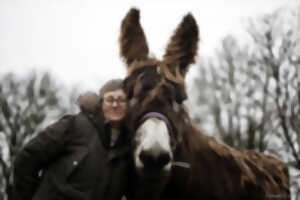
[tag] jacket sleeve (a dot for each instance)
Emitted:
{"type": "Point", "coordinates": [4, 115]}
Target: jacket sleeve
{"type": "Point", "coordinates": [38, 154]}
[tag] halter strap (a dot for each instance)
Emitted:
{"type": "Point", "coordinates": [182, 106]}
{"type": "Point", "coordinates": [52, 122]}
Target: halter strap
{"type": "Point", "coordinates": [181, 164]}
{"type": "Point", "coordinates": [165, 119]}
{"type": "Point", "coordinates": [158, 116]}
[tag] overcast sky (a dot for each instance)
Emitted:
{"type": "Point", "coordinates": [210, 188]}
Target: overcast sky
{"type": "Point", "coordinates": [77, 40]}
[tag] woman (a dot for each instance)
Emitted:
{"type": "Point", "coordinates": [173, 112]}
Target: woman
{"type": "Point", "coordinates": [80, 157]}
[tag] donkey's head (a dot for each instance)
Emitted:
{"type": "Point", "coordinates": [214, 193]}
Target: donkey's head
{"type": "Point", "coordinates": [156, 91]}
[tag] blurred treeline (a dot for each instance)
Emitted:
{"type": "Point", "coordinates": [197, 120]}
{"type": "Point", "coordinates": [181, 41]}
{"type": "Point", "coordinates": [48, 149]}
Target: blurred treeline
{"type": "Point", "coordinates": [248, 92]}
{"type": "Point", "coordinates": [28, 104]}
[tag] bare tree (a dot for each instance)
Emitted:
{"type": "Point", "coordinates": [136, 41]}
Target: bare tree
{"type": "Point", "coordinates": [237, 97]}
{"type": "Point", "coordinates": [277, 50]}
{"type": "Point", "coordinates": [251, 93]}
{"type": "Point", "coordinates": [277, 41]}
{"type": "Point", "coordinates": [26, 104]}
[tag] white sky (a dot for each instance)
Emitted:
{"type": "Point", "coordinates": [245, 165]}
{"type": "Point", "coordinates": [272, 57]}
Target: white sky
{"type": "Point", "coordinates": [77, 40]}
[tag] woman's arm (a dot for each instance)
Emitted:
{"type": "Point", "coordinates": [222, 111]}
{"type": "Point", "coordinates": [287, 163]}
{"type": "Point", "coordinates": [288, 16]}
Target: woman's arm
{"type": "Point", "coordinates": [36, 155]}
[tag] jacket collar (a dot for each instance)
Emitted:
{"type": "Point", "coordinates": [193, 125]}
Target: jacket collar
{"type": "Point", "coordinates": [104, 130]}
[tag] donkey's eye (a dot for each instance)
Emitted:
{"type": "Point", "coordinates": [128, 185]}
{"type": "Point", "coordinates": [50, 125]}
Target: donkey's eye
{"type": "Point", "coordinates": [147, 87]}
{"type": "Point", "coordinates": [168, 92]}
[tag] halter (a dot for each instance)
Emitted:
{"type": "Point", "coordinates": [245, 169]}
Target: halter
{"type": "Point", "coordinates": [165, 119]}
{"type": "Point", "coordinates": [158, 116]}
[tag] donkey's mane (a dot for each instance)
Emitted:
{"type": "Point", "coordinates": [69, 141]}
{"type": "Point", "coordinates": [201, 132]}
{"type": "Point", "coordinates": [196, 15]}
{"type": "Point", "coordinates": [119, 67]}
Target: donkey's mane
{"type": "Point", "coordinates": [247, 164]}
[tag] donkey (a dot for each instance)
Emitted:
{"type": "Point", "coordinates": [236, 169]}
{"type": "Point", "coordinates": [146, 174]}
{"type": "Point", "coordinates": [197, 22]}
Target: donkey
{"type": "Point", "coordinates": [172, 159]}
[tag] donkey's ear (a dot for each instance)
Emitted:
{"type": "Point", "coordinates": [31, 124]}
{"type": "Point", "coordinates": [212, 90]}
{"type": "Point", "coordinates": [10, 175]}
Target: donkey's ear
{"type": "Point", "coordinates": [182, 48]}
{"type": "Point", "coordinates": [133, 44]}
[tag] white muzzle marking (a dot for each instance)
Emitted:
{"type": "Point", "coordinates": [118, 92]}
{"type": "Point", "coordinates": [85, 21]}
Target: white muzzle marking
{"type": "Point", "coordinates": [152, 136]}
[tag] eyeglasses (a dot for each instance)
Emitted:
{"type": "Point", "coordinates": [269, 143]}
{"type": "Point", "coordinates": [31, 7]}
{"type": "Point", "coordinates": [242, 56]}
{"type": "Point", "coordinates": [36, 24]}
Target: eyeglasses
{"type": "Point", "coordinates": [111, 100]}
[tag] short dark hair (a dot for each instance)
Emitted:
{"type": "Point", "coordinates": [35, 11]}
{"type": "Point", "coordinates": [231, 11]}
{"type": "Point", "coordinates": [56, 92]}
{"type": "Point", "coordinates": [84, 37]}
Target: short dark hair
{"type": "Point", "coordinates": [111, 85]}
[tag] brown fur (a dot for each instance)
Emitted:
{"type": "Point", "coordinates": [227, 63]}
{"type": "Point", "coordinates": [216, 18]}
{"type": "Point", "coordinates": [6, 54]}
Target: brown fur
{"type": "Point", "coordinates": [182, 47]}
{"type": "Point", "coordinates": [218, 171]}
{"type": "Point", "coordinates": [132, 32]}
{"type": "Point", "coordinates": [255, 168]}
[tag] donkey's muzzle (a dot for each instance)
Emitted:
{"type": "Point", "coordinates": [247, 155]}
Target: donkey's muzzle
{"type": "Point", "coordinates": [153, 160]}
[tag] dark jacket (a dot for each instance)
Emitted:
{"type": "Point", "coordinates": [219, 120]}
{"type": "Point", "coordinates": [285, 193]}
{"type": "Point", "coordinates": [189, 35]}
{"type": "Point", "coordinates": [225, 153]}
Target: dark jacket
{"type": "Point", "coordinates": [72, 160]}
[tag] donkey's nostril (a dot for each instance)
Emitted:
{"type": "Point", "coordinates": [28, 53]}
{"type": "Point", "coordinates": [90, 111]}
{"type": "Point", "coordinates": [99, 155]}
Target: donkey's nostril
{"type": "Point", "coordinates": [147, 158]}
{"type": "Point", "coordinates": [151, 160]}
{"type": "Point", "coordinates": [163, 159]}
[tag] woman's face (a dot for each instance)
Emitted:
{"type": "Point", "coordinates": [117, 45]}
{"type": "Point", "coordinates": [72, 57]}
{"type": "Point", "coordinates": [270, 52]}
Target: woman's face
{"type": "Point", "coordinates": [114, 105]}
